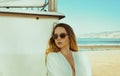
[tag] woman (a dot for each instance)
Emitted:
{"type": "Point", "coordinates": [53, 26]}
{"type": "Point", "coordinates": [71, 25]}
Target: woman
{"type": "Point", "coordinates": [63, 58]}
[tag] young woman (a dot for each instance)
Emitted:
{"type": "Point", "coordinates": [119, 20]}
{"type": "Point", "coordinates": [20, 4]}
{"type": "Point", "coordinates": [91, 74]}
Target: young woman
{"type": "Point", "coordinates": [62, 56]}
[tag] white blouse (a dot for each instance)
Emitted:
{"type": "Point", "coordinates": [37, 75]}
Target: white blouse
{"type": "Point", "coordinates": [57, 65]}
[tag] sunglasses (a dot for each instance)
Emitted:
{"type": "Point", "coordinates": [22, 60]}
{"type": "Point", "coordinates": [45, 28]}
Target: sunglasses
{"type": "Point", "coordinates": [62, 36]}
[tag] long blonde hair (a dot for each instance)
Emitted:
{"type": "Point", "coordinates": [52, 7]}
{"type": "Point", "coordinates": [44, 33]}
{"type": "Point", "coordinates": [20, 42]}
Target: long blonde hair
{"type": "Point", "coordinates": [73, 45]}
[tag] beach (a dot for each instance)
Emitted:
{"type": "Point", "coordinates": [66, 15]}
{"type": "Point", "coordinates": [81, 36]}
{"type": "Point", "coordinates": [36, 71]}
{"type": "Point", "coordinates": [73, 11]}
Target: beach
{"type": "Point", "coordinates": [104, 62]}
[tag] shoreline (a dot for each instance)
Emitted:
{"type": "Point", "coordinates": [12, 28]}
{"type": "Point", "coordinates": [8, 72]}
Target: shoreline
{"type": "Point", "coordinates": [99, 46]}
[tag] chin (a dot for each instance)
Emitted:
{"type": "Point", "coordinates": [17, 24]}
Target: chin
{"type": "Point", "coordinates": [59, 47]}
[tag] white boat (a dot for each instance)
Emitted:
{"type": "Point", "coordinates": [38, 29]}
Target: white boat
{"type": "Point", "coordinates": [22, 3]}
{"type": "Point", "coordinates": [24, 36]}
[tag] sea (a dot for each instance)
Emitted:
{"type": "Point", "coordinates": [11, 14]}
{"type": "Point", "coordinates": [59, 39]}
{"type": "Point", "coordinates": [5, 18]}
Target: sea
{"type": "Point", "coordinates": [100, 41]}
{"type": "Point", "coordinates": [108, 42]}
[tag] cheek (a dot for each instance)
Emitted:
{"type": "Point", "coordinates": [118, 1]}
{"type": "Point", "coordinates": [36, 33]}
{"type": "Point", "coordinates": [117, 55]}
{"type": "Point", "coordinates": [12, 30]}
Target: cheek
{"type": "Point", "coordinates": [55, 42]}
{"type": "Point", "coordinates": [66, 41]}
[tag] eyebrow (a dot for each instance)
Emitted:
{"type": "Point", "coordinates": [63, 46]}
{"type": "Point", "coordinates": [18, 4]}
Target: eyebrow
{"type": "Point", "coordinates": [60, 33]}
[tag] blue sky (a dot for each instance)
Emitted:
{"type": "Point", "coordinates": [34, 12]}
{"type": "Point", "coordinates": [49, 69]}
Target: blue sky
{"type": "Point", "coordinates": [91, 16]}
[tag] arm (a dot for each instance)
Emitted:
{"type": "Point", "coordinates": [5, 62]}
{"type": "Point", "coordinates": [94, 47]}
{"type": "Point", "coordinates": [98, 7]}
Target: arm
{"type": "Point", "coordinates": [82, 64]}
{"type": "Point", "coordinates": [53, 67]}
{"type": "Point", "coordinates": [86, 65]}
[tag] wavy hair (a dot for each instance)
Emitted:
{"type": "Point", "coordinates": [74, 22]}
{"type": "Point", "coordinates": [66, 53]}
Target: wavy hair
{"type": "Point", "coordinates": [53, 47]}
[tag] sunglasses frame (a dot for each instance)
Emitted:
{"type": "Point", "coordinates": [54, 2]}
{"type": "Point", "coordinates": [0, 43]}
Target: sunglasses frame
{"type": "Point", "coordinates": [62, 36]}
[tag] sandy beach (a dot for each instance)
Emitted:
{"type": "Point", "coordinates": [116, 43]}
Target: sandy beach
{"type": "Point", "coordinates": [105, 62]}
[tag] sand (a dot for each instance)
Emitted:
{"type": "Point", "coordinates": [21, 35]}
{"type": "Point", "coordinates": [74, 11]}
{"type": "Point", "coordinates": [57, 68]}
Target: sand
{"type": "Point", "coordinates": [105, 62]}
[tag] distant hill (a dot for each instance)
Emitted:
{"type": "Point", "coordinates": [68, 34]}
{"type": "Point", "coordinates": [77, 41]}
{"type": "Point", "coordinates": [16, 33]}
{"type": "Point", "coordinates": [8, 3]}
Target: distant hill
{"type": "Point", "coordinates": [110, 34]}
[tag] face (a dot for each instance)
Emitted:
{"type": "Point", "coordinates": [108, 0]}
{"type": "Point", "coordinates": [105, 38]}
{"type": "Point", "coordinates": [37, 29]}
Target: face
{"type": "Point", "coordinates": [61, 38]}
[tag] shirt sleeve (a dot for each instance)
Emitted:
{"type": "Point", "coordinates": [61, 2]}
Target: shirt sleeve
{"type": "Point", "coordinates": [53, 67]}
{"type": "Point", "coordinates": [86, 65]}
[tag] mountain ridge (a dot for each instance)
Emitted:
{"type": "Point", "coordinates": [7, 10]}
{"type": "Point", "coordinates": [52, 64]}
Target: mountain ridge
{"type": "Point", "coordinates": [106, 34]}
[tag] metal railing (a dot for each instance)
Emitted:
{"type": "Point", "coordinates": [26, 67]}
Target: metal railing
{"type": "Point", "coordinates": [52, 6]}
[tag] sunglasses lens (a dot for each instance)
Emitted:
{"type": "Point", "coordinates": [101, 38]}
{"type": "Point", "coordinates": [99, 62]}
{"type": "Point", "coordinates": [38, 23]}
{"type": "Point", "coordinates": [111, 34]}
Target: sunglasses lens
{"type": "Point", "coordinates": [62, 35]}
{"type": "Point", "coordinates": [55, 36]}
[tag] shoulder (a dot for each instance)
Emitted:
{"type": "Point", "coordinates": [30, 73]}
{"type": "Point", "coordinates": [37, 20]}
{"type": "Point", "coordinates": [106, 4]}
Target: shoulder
{"type": "Point", "coordinates": [53, 56]}
{"type": "Point", "coordinates": [81, 57]}
{"type": "Point", "coordinates": [80, 54]}
{"type": "Point", "coordinates": [52, 59]}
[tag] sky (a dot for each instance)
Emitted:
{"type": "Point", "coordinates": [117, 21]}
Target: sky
{"type": "Point", "coordinates": [91, 16]}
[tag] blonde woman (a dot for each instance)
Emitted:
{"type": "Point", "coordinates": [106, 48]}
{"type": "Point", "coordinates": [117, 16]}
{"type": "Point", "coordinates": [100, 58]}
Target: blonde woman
{"type": "Point", "coordinates": [62, 56]}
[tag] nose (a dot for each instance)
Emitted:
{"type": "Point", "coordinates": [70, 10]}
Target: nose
{"type": "Point", "coordinates": [59, 38]}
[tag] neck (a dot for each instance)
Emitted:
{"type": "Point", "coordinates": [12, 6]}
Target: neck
{"type": "Point", "coordinates": [66, 51]}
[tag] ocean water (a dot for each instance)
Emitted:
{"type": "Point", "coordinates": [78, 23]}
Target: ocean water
{"type": "Point", "coordinates": [98, 41]}
{"type": "Point", "coordinates": [106, 44]}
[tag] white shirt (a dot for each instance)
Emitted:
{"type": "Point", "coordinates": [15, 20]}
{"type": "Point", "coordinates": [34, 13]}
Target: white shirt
{"type": "Point", "coordinates": [57, 65]}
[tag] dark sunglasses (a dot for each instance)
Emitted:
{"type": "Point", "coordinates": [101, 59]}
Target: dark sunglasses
{"type": "Point", "coordinates": [62, 36]}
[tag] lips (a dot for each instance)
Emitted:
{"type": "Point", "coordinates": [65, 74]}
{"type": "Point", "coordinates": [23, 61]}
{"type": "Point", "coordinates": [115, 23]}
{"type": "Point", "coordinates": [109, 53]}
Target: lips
{"type": "Point", "coordinates": [59, 43]}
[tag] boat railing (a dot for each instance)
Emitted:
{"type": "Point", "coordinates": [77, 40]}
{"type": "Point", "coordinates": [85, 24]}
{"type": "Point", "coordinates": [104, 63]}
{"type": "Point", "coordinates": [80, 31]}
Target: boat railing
{"type": "Point", "coordinates": [45, 5]}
